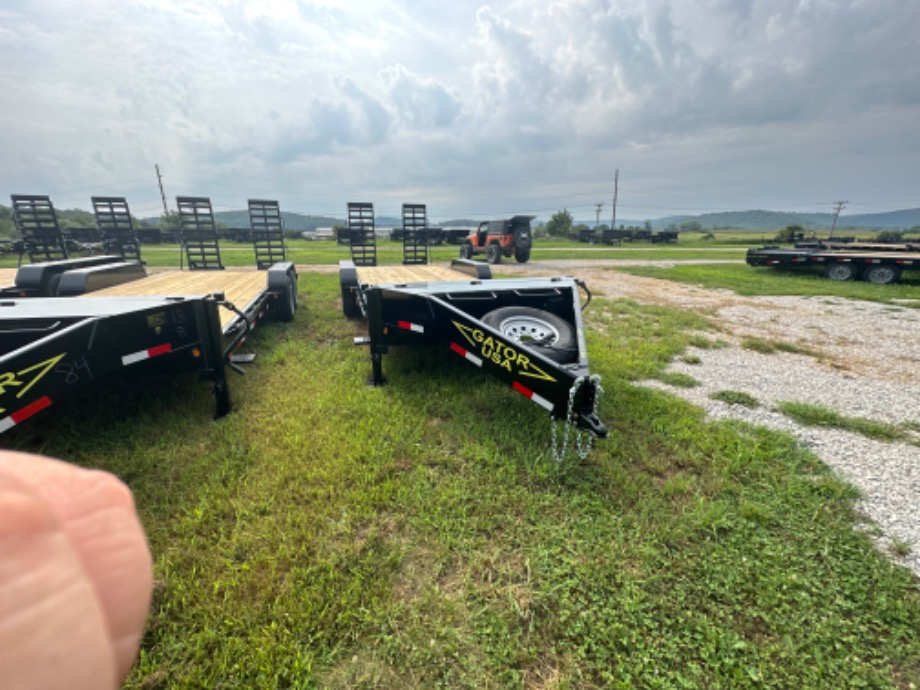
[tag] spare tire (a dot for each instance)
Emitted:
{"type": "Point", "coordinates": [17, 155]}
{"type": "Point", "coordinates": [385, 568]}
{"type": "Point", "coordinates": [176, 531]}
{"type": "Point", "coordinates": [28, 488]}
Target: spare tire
{"type": "Point", "coordinates": [537, 330]}
{"type": "Point", "coordinates": [522, 238]}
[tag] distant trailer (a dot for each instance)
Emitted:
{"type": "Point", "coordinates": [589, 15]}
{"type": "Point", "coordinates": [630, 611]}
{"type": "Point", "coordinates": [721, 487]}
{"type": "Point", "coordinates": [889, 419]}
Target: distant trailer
{"type": "Point", "coordinates": [850, 262]}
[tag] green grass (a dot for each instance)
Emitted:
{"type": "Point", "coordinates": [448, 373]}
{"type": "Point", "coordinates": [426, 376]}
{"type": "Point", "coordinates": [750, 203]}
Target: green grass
{"type": "Point", "coordinates": [330, 535]}
{"type": "Point", "coordinates": [749, 281]}
{"type": "Point", "coordinates": [818, 415]}
{"type": "Point", "coordinates": [308, 252]}
{"type": "Point", "coordinates": [736, 398]}
{"type": "Point", "coordinates": [768, 347]}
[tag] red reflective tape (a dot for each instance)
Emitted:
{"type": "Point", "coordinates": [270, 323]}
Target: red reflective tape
{"type": "Point", "coordinates": [405, 325]}
{"type": "Point", "coordinates": [523, 390]}
{"type": "Point", "coordinates": [159, 350]}
{"type": "Point", "coordinates": [459, 350]}
{"type": "Point", "coordinates": [30, 409]}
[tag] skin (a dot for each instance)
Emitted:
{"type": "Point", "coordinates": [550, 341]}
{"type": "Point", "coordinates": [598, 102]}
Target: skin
{"type": "Point", "coordinates": [75, 576]}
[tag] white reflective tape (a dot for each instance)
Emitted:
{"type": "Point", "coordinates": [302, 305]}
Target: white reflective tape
{"type": "Point", "coordinates": [542, 402]}
{"type": "Point", "coordinates": [133, 358]}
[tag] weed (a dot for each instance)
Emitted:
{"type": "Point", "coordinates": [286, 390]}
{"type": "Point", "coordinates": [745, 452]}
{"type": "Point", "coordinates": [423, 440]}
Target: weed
{"type": "Point", "coordinates": [678, 379]}
{"type": "Point", "coordinates": [817, 415]}
{"type": "Point", "coordinates": [736, 398]}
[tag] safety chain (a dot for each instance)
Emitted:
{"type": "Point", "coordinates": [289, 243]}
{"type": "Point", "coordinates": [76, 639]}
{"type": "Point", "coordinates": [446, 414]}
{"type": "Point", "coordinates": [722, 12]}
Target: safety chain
{"type": "Point", "coordinates": [583, 440]}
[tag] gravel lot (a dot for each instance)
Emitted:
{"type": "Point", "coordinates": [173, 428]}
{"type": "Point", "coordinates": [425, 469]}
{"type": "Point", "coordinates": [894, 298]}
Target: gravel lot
{"type": "Point", "coordinates": [863, 362]}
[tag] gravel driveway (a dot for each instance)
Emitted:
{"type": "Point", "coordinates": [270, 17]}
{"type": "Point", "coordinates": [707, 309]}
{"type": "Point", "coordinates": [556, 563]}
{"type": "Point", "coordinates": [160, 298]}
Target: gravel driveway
{"type": "Point", "coordinates": [863, 362]}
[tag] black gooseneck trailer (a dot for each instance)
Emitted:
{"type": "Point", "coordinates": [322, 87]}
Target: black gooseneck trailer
{"type": "Point", "coordinates": [527, 332]}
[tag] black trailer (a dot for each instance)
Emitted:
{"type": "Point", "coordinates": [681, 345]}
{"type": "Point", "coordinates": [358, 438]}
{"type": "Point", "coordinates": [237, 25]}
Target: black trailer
{"type": "Point", "coordinates": [527, 332]}
{"type": "Point", "coordinates": [107, 320]}
{"type": "Point", "coordinates": [873, 263]}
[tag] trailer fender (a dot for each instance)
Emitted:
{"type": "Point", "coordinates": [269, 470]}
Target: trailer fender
{"type": "Point", "coordinates": [348, 283]}
{"type": "Point", "coordinates": [282, 281]}
{"type": "Point", "coordinates": [476, 269]}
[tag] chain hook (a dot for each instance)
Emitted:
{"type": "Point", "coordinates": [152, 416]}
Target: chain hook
{"type": "Point", "coordinates": [583, 440]}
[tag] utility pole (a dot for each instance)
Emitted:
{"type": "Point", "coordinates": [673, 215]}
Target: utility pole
{"type": "Point", "coordinates": [838, 207]}
{"type": "Point", "coordinates": [616, 182]}
{"type": "Point", "coordinates": [162, 193]}
{"type": "Point", "coordinates": [597, 211]}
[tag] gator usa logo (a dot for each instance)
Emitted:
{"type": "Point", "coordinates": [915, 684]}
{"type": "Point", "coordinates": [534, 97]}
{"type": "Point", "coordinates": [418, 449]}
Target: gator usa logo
{"type": "Point", "coordinates": [504, 355]}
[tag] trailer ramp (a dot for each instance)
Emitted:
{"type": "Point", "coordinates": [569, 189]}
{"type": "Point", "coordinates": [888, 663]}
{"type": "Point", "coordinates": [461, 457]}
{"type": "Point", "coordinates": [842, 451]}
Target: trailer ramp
{"type": "Point", "coordinates": [362, 235]}
{"type": "Point", "coordinates": [38, 226]}
{"type": "Point", "coordinates": [113, 218]}
{"type": "Point", "coordinates": [267, 232]}
{"type": "Point", "coordinates": [199, 233]}
{"type": "Point", "coordinates": [415, 234]}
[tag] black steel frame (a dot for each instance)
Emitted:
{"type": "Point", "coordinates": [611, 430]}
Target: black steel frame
{"type": "Point", "coordinates": [450, 312]}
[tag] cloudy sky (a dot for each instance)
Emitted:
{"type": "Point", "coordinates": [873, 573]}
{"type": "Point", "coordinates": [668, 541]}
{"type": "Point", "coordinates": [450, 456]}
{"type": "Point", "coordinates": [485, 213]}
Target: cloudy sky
{"type": "Point", "coordinates": [475, 109]}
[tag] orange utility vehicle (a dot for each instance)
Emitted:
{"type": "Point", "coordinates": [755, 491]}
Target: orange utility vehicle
{"type": "Point", "coordinates": [498, 238]}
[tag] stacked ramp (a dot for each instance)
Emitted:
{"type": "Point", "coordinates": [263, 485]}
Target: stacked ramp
{"type": "Point", "coordinates": [415, 234]}
{"type": "Point", "coordinates": [267, 232]}
{"type": "Point", "coordinates": [362, 235]}
{"type": "Point", "coordinates": [113, 218]}
{"type": "Point", "coordinates": [199, 233]}
{"type": "Point", "coordinates": [38, 226]}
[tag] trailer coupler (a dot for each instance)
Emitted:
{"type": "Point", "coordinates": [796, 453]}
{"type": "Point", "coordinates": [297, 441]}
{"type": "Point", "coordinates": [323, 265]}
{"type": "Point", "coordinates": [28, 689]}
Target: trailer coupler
{"type": "Point", "coordinates": [591, 423]}
{"type": "Point", "coordinates": [581, 416]}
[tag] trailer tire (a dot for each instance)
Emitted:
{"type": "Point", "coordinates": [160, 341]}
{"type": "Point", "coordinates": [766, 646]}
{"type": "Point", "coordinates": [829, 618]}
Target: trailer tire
{"type": "Point", "coordinates": [536, 329]}
{"type": "Point", "coordinates": [841, 271]}
{"type": "Point", "coordinates": [466, 251]}
{"type": "Point", "coordinates": [882, 275]}
{"type": "Point", "coordinates": [494, 253]}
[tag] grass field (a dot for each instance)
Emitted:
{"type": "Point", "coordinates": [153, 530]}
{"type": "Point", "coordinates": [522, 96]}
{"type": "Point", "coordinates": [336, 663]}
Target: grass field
{"type": "Point", "coordinates": [746, 280]}
{"type": "Point", "coordinates": [330, 535]}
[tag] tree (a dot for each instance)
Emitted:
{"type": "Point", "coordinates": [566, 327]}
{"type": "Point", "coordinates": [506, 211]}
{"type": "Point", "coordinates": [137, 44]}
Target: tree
{"type": "Point", "coordinates": [560, 224]}
{"type": "Point", "coordinates": [789, 233]}
{"type": "Point", "coordinates": [691, 226]}
{"type": "Point", "coordinates": [890, 236]}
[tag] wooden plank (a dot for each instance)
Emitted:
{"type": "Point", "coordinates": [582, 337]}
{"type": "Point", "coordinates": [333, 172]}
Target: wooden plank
{"type": "Point", "coordinates": [239, 287]}
{"type": "Point", "coordinates": [377, 275]}
{"type": "Point", "coordinates": [7, 277]}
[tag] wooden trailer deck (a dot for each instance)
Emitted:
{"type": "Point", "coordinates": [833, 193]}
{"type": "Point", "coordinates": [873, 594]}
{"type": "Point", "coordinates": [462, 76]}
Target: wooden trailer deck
{"type": "Point", "coordinates": [399, 275]}
{"type": "Point", "coordinates": [239, 287]}
{"type": "Point", "coordinates": [7, 277]}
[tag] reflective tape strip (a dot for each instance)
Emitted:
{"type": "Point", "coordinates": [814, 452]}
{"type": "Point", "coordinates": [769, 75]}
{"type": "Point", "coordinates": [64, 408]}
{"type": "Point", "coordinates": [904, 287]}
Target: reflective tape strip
{"type": "Point", "coordinates": [527, 393]}
{"type": "Point", "coordinates": [21, 415]}
{"type": "Point", "coordinates": [468, 355]}
{"type": "Point", "coordinates": [414, 327]}
{"type": "Point", "coordinates": [146, 354]}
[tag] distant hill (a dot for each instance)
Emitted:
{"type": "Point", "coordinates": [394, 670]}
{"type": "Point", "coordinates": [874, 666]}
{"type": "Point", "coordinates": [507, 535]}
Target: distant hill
{"type": "Point", "coordinates": [772, 220]}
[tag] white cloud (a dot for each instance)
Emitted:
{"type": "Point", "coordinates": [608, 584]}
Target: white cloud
{"type": "Point", "coordinates": [516, 104]}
